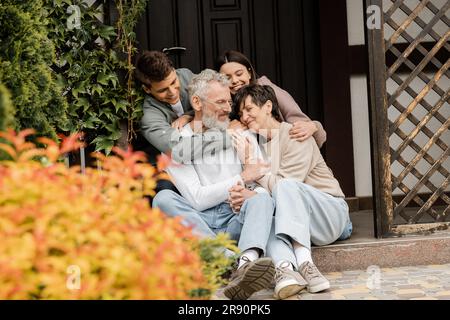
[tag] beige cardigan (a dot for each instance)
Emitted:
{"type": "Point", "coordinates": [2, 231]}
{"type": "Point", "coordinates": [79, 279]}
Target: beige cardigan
{"type": "Point", "coordinates": [297, 160]}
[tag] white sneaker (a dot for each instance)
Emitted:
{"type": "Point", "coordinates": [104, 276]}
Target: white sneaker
{"type": "Point", "coordinates": [287, 281]}
{"type": "Point", "coordinates": [316, 281]}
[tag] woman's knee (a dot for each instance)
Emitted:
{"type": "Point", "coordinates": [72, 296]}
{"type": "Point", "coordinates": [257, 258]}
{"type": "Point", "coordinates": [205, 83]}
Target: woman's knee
{"type": "Point", "coordinates": [263, 199]}
{"type": "Point", "coordinates": [261, 204]}
{"type": "Point", "coordinates": [285, 185]}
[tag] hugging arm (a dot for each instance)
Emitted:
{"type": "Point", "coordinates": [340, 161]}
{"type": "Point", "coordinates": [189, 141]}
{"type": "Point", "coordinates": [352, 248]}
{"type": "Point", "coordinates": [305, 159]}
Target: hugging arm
{"type": "Point", "coordinates": [188, 149]}
{"type": "Point", "coordinates": [200, 197]}
{"type": "Point", "coordinates": [292, 112]}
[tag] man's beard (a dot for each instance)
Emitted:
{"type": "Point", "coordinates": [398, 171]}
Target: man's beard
{"type": "Point", "coordinates": [211, 122]}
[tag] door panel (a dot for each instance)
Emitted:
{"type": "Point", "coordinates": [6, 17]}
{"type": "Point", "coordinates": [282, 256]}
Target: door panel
{"type": "Point", "coordinates": [225, 27]}
{"type": "Point", "coordinates": [289, 41]}
{"type": "Point", "coordinates": [209, 27]}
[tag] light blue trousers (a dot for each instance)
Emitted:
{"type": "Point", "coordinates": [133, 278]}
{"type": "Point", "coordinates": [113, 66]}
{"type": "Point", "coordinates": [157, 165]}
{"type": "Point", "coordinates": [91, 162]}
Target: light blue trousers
{"type": "Point", "coordinates": [251, 226]}
{"type": "Point", "coordinates": [307, 216]}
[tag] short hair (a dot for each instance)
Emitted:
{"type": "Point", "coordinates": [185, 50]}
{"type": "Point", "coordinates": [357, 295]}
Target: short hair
{"type": "Point", "coordinates": [153, 66]}
{"type": "Point", "coordinates": [235, 56]}
{"type": "Point", "coordinates": [259, 95]}
{"type": "Point", "coordinates": [199, 83]}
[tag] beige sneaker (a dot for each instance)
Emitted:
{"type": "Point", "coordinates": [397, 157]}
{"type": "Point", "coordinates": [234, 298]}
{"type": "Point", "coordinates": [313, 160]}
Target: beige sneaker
{"type": "Point", "coordinates": [288, 282]}
{"type": "Point", "coordinates": [253, 276]}
{"type": "Point", "coordinates": [316, 281]}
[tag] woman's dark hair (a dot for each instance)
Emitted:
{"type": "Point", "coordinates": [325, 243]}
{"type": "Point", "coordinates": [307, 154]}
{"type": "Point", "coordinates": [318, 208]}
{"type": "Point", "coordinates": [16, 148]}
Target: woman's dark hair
{"type": "Point", "coordinates": [235, 56]}
{"type": "Point", "coordinates": [260, 95]}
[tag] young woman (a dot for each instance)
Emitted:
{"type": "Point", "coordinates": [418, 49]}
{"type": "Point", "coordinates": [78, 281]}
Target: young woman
{"type": "Point", "coordinates": [238, 68]}
{"type": "Point", "coordinates": [310, 205]}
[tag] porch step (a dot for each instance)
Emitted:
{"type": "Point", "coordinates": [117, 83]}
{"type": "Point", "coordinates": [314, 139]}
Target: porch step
{"type": "Point", "coordinates": [364, 250]}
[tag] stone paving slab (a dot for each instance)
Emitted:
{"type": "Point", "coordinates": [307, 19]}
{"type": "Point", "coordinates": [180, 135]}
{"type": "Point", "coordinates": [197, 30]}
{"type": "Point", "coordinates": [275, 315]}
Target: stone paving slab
{"type": "Point", "coordinates": [431, 282]}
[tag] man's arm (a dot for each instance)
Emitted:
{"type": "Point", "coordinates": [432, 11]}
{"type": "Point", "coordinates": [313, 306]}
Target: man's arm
{"type": "Point", "coordinates": [189, 149]}
{"type": "Point", "coordinates": [157, 129]}
{"type": "Point", "coordinates": [200, 197]}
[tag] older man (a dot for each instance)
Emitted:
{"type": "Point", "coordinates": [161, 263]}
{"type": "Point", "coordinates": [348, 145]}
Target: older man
{"type": "Point", "coordinates": [204, 188]}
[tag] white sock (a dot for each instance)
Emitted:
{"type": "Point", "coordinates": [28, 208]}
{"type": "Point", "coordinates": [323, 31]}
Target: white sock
{"type": "Point", "coordinates": [302, 254]}
{"type": "Point", "coordinates": [284, 264]}
{"type": "Point", "coordinates": [250, 254]}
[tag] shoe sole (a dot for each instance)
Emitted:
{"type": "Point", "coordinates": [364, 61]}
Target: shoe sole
{"type": "Point", "coordinates": [257, 277]}
{"type": "Point", "coordinates": [319, 287]}
{"type": "Point", "coordinates": [289, 289]}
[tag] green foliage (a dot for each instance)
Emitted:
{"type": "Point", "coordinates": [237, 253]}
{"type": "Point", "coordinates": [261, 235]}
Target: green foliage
{"type": "Point", "coordinates": [6, 109]}
{"type": "Point", "coordinates": [65, 76]}
{"type": "Point", "coordinates": [216, 264]}
{"type": "Point", "coordinates": [129, 11]}
{"type": "Point", "coordinates": [90, 65]}
{"type": "Point", "coordinates": [6, 115]}
{"type": "Point", "coordinates": [25, 56]}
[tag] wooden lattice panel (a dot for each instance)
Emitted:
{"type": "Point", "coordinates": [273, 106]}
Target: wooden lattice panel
{"type": "Point", "coordinates": [417, 97]}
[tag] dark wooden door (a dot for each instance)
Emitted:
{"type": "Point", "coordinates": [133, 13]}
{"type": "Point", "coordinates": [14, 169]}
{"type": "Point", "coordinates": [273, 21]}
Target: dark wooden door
{"type": "Point", "coordinates": [270, 32]}
{"type": "Point", "coordinates": [292, 42]}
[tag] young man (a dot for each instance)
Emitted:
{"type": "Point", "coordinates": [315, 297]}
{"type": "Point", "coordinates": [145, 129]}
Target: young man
{"type": "Point", "coordinates": [166, 104]}
{"type": "Point", "coordinates": [204, 188]}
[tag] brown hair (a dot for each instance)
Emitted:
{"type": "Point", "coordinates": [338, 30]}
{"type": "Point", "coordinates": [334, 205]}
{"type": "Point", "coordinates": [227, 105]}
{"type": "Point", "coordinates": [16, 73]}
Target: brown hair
{"type": "Point", "coordinates": [152, 66]}
{"type": "Point", "coordinates": [235, 56]}
{"type": "Point", "coordinates": [260, 95]}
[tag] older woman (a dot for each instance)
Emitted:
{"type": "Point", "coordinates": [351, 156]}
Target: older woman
{"type": "Point", "coordinates": [310, 205]}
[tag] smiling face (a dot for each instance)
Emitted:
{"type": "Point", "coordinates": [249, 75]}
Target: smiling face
{"type": "Point", "coordinates": [238, 74]}
{"type": "Point", "coordinates": [214, 106]}
{"type": "Point", "coordinates": [167, 90]}
{"type": "Point", "coordinates": [253, 116]}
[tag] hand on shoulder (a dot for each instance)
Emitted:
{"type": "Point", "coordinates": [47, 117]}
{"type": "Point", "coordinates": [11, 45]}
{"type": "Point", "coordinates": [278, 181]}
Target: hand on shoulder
{"type": "Point", "coordinates": [302, 130]}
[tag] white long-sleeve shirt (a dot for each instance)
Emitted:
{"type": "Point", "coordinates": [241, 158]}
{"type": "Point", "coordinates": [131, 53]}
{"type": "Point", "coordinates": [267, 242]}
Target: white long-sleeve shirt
{"type": "Point", "coordinates": [205, 184]}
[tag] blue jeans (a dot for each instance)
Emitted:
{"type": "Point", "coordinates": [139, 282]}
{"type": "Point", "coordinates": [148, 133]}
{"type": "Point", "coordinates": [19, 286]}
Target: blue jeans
{"type": "Point", "coordinates": [347, 231]}
{"type": "Point", "coordinates": [306, 215]}
{"type": "Point", "coordinates": [251, 226]}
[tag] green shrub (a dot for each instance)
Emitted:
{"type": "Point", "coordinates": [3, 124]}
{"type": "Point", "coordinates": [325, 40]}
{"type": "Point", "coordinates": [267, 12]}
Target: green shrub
{"type": "Point", "coordinates": [26, 54]}
{"type": "Point", "coordinates": [55, 221]}
{"type": "Point", "coordinates": [6, 109]}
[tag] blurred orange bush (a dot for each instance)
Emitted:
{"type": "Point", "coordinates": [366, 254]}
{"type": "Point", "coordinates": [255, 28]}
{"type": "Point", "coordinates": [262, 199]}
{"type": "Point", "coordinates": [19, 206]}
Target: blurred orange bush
{"type": "Point", "coordinates": [56, 222]}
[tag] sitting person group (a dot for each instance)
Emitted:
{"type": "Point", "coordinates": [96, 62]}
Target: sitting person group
{"type": "Point", "coordinates": [260, 178]}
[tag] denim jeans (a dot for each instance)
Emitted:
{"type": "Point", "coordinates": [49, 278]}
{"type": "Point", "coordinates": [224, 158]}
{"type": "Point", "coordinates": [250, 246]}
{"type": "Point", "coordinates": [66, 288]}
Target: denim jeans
{"type": "Point", "coordinates": [308, 215]}
{"type": "Point", "coordinates": [347, 231]}
{"type": "Point", "coordinates": [251, 226]}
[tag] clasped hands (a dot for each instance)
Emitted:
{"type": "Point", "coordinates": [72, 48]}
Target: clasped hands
{"type": "Point", "coordinates": [237, 196]}
{"type": "Point", "coordinates": [253, 169]}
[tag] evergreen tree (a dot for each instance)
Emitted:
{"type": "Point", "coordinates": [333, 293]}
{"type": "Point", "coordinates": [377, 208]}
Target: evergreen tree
{"type": "Point", "coordinates": [6, 109]}
{"type": "Point", "coordinates": [26, 55]}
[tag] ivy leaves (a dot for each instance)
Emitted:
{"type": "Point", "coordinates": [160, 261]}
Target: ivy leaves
{"type": "Point", "coordinates": [90, 68]}
{"type": "Point", "coordinates": [88, 89]}
{"type": "Point", "coordinates": [107, 33]}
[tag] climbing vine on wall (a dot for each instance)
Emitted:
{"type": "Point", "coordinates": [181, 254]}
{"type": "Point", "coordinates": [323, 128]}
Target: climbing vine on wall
{"type": "Point", "coordinates": [94, 64]}
{"type": "Point", "coordinates": [128, 13]}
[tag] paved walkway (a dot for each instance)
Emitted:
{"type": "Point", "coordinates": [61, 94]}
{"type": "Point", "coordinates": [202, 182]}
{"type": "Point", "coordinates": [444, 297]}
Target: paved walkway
{"type": "Point", "coordinates": [430, 282]}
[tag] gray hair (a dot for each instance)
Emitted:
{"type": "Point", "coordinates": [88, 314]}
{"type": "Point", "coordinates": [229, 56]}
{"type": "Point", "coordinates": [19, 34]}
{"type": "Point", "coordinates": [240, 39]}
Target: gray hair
{"type": "Point", "coordinates": [199, 84]}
